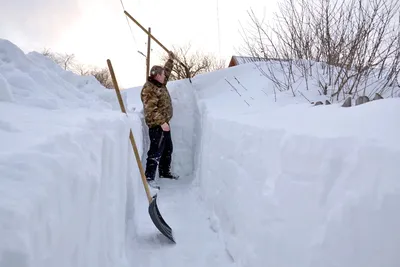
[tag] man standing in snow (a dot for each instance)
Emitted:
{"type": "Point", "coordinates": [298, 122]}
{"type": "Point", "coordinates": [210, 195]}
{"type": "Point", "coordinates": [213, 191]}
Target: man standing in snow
{"type": "Point", "coordinates": [158, 111]}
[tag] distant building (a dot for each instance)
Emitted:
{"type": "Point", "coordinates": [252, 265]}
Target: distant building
{"type": "Point", "coordinates": [237, 60]}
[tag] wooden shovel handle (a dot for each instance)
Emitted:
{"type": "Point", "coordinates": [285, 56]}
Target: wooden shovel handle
{"type": "Point", "coordinates": [135, 150]}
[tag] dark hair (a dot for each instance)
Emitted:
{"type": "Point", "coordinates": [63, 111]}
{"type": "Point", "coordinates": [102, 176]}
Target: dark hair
{"type": "Point", "coordinates": [156, 70]}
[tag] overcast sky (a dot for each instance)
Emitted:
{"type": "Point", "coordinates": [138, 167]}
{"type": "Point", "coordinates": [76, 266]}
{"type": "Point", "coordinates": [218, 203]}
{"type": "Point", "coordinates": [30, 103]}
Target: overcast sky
{"type": "Point", "coordinates": [95, 30]}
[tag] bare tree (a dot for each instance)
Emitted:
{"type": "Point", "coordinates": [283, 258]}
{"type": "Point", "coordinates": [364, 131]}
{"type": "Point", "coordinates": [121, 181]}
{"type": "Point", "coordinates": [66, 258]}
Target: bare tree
{"type": "Point", "coordinates": [68, 62]}
{"type": "Point", "coordinates": [197, 63]}
{"type": "Point", "coordinates": [103, 76]}
{"type": "Point", "coordinates": [356, 44]}
{"type": "Point", "coordinates": [65, 60]}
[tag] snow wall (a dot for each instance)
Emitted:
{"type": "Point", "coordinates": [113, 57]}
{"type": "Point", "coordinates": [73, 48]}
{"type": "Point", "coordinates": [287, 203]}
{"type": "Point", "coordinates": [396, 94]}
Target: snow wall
{"type": "Point", "coordinates": [305, 186]}
{"type": "Point", "coordinates": [68, 174]}
{"type": "Point", "coordinates": [294, 185]}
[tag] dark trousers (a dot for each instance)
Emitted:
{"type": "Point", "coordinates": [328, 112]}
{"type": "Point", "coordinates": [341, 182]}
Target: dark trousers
{"type": "Point", "coordinates": [159, 153]}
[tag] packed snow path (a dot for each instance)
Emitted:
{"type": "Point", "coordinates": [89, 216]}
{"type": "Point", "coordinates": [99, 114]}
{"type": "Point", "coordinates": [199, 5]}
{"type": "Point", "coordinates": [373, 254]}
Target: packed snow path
{"type": "Point", "coordinates": [179, 201]}
{"type": "Point", "coordinates": [196, 242]}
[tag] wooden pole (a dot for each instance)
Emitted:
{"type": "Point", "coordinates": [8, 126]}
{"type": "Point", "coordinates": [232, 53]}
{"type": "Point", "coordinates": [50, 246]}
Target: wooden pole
{"type": "Point", "coordinates": [148, 54]}
{"type": "Point", "coordinates": [133, 143]}
{"type": "Point", "coordinates": [146, 31]}
{"type": "Point", "coordinates": [158, 42]}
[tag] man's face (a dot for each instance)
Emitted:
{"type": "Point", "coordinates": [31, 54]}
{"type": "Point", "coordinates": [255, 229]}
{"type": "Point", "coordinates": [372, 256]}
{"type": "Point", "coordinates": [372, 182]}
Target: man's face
{"type": "Point", "coordinates": [161, 77]}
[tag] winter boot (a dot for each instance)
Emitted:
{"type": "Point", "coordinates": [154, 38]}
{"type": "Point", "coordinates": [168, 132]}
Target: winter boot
{"type": "Point", "coordinates": [168, 175]}
{"type": "Point", "coordinates": [154, 187]}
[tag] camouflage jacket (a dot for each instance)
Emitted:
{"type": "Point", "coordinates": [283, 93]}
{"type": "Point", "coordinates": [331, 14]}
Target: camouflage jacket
{"type": "Point", "coordinates": [157, 104]}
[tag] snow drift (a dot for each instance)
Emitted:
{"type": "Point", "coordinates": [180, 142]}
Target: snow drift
{"type": "Point", "coordinates": [286, 184]}
{"type": "Point", "coordinates": [297, 185]}
{"type": "Point", "coordinates": [68, 176]}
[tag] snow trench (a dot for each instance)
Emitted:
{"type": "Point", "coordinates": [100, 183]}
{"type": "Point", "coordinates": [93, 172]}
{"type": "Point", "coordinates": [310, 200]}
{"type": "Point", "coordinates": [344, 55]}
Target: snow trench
{"type": "Point", "coordinates": [284, 197]}
{"type": "Point", "coordinates": [68, 177]}
{"type": "Point", "coordinates": [307, 187]}
{"type": "Point", "coordinates": [69, 200]}
{"type": "Point", "coordinates": [281, 196]}
{"type": "Point", "coordinates": [184, 125]}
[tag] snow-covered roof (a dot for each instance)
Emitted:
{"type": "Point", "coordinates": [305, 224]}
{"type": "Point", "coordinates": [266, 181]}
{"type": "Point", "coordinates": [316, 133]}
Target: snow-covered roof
{"type": "Point", "coordinates": [237, 60]}
{"type": "Point", "coordinates": [242, 60]}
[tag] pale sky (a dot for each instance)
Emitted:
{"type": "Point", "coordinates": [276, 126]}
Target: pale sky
{"type": "Point", "coordinates": [95, 30]}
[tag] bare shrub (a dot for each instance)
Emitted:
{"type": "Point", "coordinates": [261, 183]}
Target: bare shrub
{"type": "Point", "coordinates": [347, 47]}
{"type": "Point", "coordinates": [197, 63]}
{"type": "Point", "coordinates": [68, 62]}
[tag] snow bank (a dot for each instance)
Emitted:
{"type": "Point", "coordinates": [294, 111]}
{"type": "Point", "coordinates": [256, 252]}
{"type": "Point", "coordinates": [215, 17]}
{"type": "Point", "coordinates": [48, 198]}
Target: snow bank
{"type": "Point", "coordinates": [248, 88]}
{"type": "Point", "coordinates": [68, 177]}
{"type": "Point", "coordinates": [35, 80]}
{"type": "Point", "coordinates": [289, 184]}
{"type": "Point", "coordinates": [306, 186]}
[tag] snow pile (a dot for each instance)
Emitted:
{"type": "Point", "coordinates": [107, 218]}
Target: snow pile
{"type": "Point", "coordinates": [35, 80]}
{"type": "Point", "coordinates": [289, 184]}
{"type": "Point", "coordinates": [248, 88]}
{"type": "Point", "coordinates": [68, 177]}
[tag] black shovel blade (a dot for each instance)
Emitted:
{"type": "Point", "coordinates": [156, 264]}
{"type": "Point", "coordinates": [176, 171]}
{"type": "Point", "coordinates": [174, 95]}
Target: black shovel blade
{"type": "Point", "coordinates": [158, 220]}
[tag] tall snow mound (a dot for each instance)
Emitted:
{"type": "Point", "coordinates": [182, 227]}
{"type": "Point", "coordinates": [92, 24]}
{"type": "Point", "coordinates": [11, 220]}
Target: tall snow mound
{"type": "Point", "coordinates": [68, 176]}
{"type": "Point", "coordinates": [251, 88]}
{"type": "Point", "coordinates": [291, 184]}
{"type": "Point", "coordinates": [36, 80]}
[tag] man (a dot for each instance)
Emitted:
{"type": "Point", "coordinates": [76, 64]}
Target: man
{"type": "Point", "coordinates": [157, 107]}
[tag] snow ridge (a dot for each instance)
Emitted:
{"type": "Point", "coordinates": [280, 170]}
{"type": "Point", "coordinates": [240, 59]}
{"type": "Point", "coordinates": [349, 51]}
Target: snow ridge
{"type": "Point", "coordinates": [68, 183]}
{"type": "Point", "coordinates": [285, 195]}
{"type": "Point", "coordinates": [35, 80]}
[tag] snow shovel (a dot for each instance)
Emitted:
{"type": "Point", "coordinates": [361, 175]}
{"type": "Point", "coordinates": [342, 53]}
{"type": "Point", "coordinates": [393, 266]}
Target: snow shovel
{"type": "Point", "coordinates": [154, 212]}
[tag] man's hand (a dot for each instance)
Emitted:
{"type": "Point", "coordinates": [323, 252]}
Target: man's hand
{"type": "Point", "coordinates": [165, 127]}
{"type": "Point", "coordinates": [171, 55]}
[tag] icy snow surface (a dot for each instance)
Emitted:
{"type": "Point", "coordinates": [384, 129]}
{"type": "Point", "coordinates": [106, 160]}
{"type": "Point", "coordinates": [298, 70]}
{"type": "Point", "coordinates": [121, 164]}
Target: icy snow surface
{"type": "Point", "coordinates": [67, 185]}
